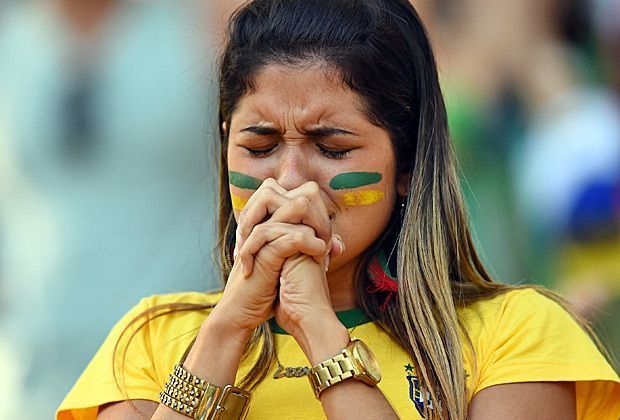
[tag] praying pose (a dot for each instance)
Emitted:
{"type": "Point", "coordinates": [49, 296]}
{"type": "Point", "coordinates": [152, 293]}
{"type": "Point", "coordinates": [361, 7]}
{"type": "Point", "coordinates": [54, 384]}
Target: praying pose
{"type": "Point", "coordinates": [352, 284]}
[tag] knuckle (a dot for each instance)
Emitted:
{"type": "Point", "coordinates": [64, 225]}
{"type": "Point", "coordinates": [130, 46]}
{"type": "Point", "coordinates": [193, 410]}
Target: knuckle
{"type": "Point", "coordinates": [298, 237]}
{"type": "Point", "coordinates": [270, 183]}
{"type": "Point", "coordinates": [267, 192]}
{"type": "Point", "coordinates": [307, 230]}
{"type": "Point", "coordinates": [313, 187]}
{"type": "Point", "coordinates": [302, 202]}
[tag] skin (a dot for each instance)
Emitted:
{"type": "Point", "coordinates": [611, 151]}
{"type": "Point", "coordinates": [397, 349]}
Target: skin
{"type": "Point", "coordinates": [299, 241]}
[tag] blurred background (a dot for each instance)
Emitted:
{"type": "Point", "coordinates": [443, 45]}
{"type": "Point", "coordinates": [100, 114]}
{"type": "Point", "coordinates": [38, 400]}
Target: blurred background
{"type": "Point", "coordinates": [107, 168]}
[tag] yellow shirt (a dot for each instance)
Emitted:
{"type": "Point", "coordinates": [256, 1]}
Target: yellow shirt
{"type": "Point", "coordinates": [520, 336]}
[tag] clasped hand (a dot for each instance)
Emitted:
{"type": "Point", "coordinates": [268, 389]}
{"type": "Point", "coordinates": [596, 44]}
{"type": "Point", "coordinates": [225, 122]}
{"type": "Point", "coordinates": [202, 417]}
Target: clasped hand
{"type": "Point", "coordinates": [283, 245]}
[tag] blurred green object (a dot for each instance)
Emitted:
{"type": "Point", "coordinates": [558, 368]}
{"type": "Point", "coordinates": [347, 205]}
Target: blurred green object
{"type": "Point", "coordinates": [482, 133]}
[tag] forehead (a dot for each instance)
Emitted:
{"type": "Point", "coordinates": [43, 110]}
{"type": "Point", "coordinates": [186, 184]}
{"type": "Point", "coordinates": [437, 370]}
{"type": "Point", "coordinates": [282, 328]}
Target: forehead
{"type": "Point", "coordinates": [311, 92]}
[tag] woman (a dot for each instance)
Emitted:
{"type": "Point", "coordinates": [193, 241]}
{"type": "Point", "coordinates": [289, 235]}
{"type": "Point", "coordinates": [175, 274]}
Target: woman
{"type": "Point", "coordinates": [341, 211]}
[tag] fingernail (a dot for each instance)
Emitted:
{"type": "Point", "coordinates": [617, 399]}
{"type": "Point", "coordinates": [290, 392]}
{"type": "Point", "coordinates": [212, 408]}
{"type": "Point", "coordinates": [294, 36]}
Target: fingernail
{"type": "Point", "coordinates": [235, 253]}
{"type": "Point", "coordinates": [326, 262]}
{"type": "Point", "coordinates": [340, 242]}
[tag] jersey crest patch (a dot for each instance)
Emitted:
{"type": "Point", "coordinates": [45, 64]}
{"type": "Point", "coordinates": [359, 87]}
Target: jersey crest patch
{"type": "Point", "coordinates": [415, 393]}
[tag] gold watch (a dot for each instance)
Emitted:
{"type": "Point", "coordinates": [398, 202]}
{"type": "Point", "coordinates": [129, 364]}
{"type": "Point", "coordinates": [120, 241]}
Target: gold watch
{"type": "Point", "coordinates": [355, 361]}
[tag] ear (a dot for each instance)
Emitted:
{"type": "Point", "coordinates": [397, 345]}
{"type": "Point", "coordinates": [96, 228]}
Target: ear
{"type": "Point", "coordinates": [402, 184]}
{"type": "Point", "coordinates": [225, 128]}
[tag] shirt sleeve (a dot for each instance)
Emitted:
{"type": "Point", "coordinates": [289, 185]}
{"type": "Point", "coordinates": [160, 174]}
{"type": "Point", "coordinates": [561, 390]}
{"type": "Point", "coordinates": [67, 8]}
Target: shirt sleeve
{"type": "Point", "coordinates": [534, 339]}
{"type": "Point", "coordinates": [120, 370]}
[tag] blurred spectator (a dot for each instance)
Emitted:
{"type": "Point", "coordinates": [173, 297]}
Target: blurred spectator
{"type": "Point", "coordinates": [532, 94]}
{"type": "Point", "coordinates": [568, 169]}
{"type": "Point", "coordinates": [474, 49]}
{"type": "Point", "coordinates": [106, 184]}
{"type": "Point", "coordinates": [589, 264]}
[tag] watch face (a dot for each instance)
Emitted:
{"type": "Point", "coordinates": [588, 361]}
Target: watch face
{"type": "Point", "coordinates": [368, 361]}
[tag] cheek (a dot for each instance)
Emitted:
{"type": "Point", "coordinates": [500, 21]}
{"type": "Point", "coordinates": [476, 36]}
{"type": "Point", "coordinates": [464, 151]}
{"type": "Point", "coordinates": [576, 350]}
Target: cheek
{"type": "Point", "coordinates": [241, 186]}
{"type": "Point", "coordinates": [368, 186]}
{"type": "Point", "coordinates": [366, 206]}
{"type": "Point", "coordinates": [245, 174]}
{"type": "Point", "coordinates": [361, 226]}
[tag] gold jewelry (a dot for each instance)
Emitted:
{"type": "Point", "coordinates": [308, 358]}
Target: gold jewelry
{"type": "Point", "coordinates": [355, 361]}
{"type": "Point", "coordinates": [198, 399]}
{"type": "Point", "coordinates": [299, 371]}
{"type": "Point", "coordinates": [290, 372]}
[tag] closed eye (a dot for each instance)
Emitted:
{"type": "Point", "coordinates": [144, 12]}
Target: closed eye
{"type": "Point", "coordinates": [333, 154]}
{"type": "Point", "coordinates": [260, 152]}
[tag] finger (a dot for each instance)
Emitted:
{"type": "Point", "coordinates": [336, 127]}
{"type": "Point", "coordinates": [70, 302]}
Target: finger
{"type": "Point", "coordinates": [301, 210]}
{"type": "Point", "coordinates": [264, 202]}
{"type": "Point", "coordinates": [284, 240]}
{"type": "Point", "coordinates": [301, 239]}
{"type": "Point", "coordinates": [316, 214]}
{"type": "Point", "coordinates": [260, 235]}
{"type": "Point", "coordinates": [290, 245]}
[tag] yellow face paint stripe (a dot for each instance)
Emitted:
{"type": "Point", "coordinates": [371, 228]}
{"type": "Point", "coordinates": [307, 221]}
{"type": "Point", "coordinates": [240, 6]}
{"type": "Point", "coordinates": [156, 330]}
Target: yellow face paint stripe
{"type": "Point", "coordinates": [362, 198]}
{"type": "Point", "coordinates": [238, 203]}
{"type": "Point", "coordinates": [355, 198]}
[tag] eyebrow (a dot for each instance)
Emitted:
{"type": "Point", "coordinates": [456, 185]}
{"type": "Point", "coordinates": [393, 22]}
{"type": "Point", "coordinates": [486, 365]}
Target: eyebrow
{"type": "Point", "coordinates": [321, 131]}
{"type": "Point", "coordinates": [260, 130]}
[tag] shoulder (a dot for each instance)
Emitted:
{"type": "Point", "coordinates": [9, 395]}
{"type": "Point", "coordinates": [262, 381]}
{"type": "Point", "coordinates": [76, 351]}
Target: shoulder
{"type": "Point", "coordinates": [168, 307]}
{"type": "Point", "coordinates": [520, 320]}
{"type": "Point", "coordinates": [507, 303]}
{"type": "Point", "coordinates": [522, 335]}
{"type": "Point", "coordinates": [197, 298]}
{"type": "Point", "coordinates": [134, 360]}
{"type": "Point", "coordinates": [162, 324]}
{"type": "Point", "coordinates": [152, 317]}
{"type": "Point", "coordinates": [510, 306]}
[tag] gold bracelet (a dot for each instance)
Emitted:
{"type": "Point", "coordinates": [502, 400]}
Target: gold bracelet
{"type": "Point", "coordinates": [200, 400]}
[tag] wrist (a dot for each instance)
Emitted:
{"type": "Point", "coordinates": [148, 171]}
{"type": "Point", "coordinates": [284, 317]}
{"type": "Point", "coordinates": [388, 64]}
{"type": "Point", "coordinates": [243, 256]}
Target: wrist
{"type": "Point", "coordinates": [222, 325]}
{"type": "Point", "coordinates": [323, 339]}
{"type": "Point", "coordinates": [217, 351]}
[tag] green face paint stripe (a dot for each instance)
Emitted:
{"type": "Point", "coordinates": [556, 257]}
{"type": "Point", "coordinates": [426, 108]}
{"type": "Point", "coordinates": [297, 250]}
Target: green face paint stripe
{"type": "Point", "coordinates": [243, 181]}
{"type": "Point", "coordinates": [354, 180]}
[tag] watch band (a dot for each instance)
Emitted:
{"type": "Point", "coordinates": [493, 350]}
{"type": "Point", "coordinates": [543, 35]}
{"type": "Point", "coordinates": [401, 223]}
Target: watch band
{"type": "Point", "coordinates": [330, 372]}
{"type": "Point", "coordinates": [233, 404]}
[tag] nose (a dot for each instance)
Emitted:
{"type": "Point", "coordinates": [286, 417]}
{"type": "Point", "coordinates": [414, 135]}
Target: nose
{"type": "Point", "coordinates": [293, 168]}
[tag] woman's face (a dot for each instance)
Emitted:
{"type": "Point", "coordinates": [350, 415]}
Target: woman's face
{"type": "Point", "coordinates": [302, 124]}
